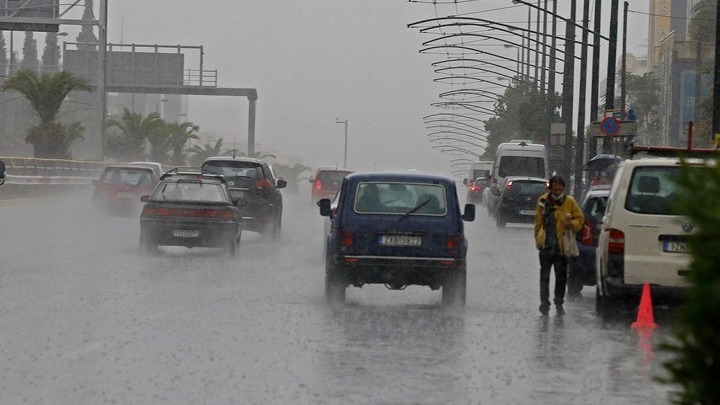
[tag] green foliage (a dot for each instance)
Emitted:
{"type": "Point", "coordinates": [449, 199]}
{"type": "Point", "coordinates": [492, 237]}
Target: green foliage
{"type": "Point", "coordinates": [291, 174]}
{"type": "Point", "coordinates": [200, 153]}
{"type": "Point", "coordinates": [46, 93]}
{"type": "Point", "coordinates": [696, 364]}
{"type": "Point", "coordinates": [521, 113]}
{"type": "Point", "coordinates": [128, 136]}
{"type": "Point", "coordinates": [643, 95]}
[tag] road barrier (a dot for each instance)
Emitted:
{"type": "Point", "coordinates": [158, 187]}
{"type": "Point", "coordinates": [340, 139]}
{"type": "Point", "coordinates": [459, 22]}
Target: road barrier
{"type": "Point", "coordinates": [34, 177]}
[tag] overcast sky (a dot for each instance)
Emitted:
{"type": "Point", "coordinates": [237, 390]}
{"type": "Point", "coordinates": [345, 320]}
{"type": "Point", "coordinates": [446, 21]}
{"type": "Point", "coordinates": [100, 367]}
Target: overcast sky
{"type": "Point", "coordinates": [316, 61]}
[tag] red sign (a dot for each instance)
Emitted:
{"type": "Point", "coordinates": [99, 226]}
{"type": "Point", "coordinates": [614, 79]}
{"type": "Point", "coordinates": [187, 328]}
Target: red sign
{"type": "Point", "coordinates": [610, 126]}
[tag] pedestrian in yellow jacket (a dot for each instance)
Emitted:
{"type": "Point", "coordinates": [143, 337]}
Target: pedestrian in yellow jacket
{"type": "Point", "coordinates": [555, 214]}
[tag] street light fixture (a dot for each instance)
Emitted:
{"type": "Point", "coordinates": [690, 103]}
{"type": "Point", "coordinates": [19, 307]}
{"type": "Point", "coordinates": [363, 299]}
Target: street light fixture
{"type": "Point", "coordinates": [345, 121]}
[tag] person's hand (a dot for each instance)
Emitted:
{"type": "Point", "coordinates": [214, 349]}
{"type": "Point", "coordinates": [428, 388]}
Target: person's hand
{"type": "Point", "coordinates": [567, 222]}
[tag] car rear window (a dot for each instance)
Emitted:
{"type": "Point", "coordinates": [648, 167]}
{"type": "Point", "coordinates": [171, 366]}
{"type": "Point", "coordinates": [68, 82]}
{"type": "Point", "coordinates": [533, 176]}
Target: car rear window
{"type": "Point", "coordinates": [653, 190]}
{"type": "Point", "coordinates": [521, 166]}
{"type": "Point", "coordinates": [232, 168]}
{"type": "Point", "coordinates": [400, 198]}
{"type": "Point", "coordinates": [595, 207]}
{"type": "Point", "coordinates": [190, 191]}
{"type": "Point", "coordinates": [331, 177]}
{"type": "Point", "coordinates": [522, 187]}
{"type": "Point", "coordinates": [131, 177]}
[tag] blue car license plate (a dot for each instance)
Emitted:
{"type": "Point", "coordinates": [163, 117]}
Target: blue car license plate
{"type": "Point", "coordinates": [675, 247]}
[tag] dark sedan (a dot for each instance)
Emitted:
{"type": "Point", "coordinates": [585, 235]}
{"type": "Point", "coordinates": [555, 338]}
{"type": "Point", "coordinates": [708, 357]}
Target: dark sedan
{"type": "Point", "coordinates": [517, 198]}
{"type": "Point", "coordinates": [190, 210]}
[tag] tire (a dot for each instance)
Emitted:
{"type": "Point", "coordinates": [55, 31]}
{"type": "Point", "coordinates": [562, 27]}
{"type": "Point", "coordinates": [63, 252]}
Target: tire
{"type": "Point", "coordinates": [454, 289]}
{"type": "Point", "coordinates": [500, 220]}
{"type": "Point", "coordinates": [334, 286]}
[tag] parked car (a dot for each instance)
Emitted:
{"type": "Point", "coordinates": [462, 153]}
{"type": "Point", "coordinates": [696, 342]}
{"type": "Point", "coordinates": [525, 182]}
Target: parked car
{"type": "Point", "coordinates": [643, 240]}
{"type": "Point", "coordinates": [581, 269]}
{"type": "Point", "coordinates": [252, 181]}
{"type": "Point", "coordinates": [516, 200]}
{"type": "Point", "coordinates": [191, 210]}
{"type": "Point", "coordinates": [119, 188]}
{"type": "Point", "coordinates": [396, 229]}
{"type": "Point", "coordinates": [326, 182]}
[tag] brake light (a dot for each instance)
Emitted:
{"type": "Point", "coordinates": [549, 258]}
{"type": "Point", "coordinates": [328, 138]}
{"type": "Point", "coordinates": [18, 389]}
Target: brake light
{"type": "Point", "coordinates": [187, 212]}
{"type": "Point", "coordinates": [474, 188]}
{"type": "Point", "coordinates": [587, 234]}
{"type": "Point", "coordinates": [452, 244]}
{"type": "Point", "coordinates": [346, 240]}
{"type": "Point", "coordinates": [318, 185]}
{"type": "Point", "coordinates": [264, 184]}
{"type": "Point", "coordinates": [616, 242]}
{"type": "Point", "coordinates": [509, 185]}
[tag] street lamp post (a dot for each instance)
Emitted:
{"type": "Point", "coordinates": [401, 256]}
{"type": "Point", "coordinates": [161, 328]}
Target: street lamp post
{"type": "Point", "coordinates": [345, 121]}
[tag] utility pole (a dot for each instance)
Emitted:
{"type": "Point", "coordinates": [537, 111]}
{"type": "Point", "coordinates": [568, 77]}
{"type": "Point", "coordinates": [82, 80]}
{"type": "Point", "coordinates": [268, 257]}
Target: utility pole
{"type": "Point", "coordinates": [623, 68]}
{"type": "Point", "coordinates": [716, 79]}
{"type": "Point", "coordinates": [612, 57]}
{"type": "Point", "coordinates": [568, 93]}
{"type": "Point", "coordinates": [338, 121]}
{"type": "Point", "coordinates": [595, 85]}
{"type": "Point", "coordinates": [580, 146]}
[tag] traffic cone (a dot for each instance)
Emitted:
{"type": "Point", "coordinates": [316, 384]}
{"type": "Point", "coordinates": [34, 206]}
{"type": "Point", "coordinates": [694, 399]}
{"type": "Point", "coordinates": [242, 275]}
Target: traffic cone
{"type": "Point", "coordinates": [645, 317]}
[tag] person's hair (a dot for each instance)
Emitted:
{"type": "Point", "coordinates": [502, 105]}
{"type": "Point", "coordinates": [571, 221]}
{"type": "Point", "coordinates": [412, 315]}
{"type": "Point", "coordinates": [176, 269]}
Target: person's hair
{"type": "Point", "coordinates": [556, 179]}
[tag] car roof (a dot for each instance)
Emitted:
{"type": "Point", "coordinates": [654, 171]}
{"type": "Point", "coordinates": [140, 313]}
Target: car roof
{"type": "Point", "coordinates": [399, 177]}
{"type": "Point", "coordinates": [513, 178]}
{"type": "Point", "coordinates": [233, 159]}
{"type": "Point", "coordinates": [332, 169]}
{"type": "Point", "coordinates": [129, 166]}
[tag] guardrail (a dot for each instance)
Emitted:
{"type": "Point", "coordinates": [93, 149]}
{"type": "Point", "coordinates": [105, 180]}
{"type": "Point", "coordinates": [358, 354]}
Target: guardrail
{"type": "Point", "coordinates": [35, 171]}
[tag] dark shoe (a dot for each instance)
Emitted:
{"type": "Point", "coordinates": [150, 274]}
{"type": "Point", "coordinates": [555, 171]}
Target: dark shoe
{"type": "Point", "coordinates": [560, 309]}
{"type": "Point", "coordinates": [544, 309]}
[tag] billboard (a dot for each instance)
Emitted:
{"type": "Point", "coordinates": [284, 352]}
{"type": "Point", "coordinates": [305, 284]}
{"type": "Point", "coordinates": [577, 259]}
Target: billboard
{"type": "Point", "coordinates": [29, 9]}
{"type": "Point", "coordinates": [136, 69]}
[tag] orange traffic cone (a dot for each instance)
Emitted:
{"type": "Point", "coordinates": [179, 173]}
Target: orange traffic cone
{"type": "Point", "coordinates": [645, 317]}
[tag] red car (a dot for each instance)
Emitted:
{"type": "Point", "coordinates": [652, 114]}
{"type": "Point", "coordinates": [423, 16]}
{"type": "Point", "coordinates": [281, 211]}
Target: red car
{"type": "Point", "coordinates": [119, 188]}
{"type": "Point", "coordinates": [326, 182]}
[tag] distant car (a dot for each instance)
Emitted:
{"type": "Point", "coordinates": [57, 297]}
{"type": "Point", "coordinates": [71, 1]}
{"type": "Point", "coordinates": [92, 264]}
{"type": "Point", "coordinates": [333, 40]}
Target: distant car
{"type": "Point", "coordinates": [326, 183]}
{"type": "Point", "coordinates": [157, 167]}
{"type": "Point", "coordinates": [475, 190]}
{"type": "Point", "coordinates": [191, 210]}
{"type": "Point", "coordinates": [516, 200]}
{"type": "Point", "coordinates": [252, 181]}
{"type": "Point", "coordinates": [119, 188]}
{"type": "Point", "coordinates": [396, 229]}
{"type": "Point", "coordinates": [581, 269]}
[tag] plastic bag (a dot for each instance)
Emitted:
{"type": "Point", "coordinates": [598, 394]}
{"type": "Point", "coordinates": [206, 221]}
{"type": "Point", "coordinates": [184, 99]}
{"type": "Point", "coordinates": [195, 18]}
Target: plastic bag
{"type": "Point", "coordinates": [570, 244]}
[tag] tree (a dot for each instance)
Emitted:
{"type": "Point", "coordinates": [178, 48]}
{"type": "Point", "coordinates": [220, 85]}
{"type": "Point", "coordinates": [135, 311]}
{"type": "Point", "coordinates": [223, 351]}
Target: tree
{"type": "Point", "coordinates": [128, 136]}
{"type": "Point", "coordinates": [702, 32]}
{"type": "Point", "coordinates": [180, 134]}
{"type": "Point", "coordinates": [3, 56]}
{"type": "Point", "coordinates": [46, 93]}
{"type": "Point", "coordinates": [291, 174]}
{"type": "Point", "coordinates": [51, 54]}
{"type": "Point", "coordinates": [257, 155]}
{"type": "Point", "coordinates": [521, 113]}
{"type": "Point", "coordinates": [200, 153]}
{"type": "Point", "coordinates": [696, 346]}
{"type": "Point", "coordinates": [30, 58]}
{"type": "Point", "coordinates": [643, 95]}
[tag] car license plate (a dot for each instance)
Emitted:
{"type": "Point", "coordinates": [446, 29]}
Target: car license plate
{"type": "Point", "coordinates": [675, 247]}
{"type": "Point", "coordinates": [182, 233]}
{"type": "Point", "coordinates": [527, 212]}
{"type": "Point", "coordinates": [400, 240]}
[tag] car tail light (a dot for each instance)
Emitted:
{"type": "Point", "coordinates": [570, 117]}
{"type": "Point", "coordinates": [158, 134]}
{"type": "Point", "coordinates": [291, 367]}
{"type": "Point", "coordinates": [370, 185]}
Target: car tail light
{"type": "Point", "coordinates": [616, 242]}
{"type": "Point", "coordinates": [346, 240]}
{"type": "Point", "coordinates": [264, 184]}
{"type": "Point", "coordinates": [453, 242]}
{"type": "Point", "coordinates": [587, 234]}
{"type": "Point", "coordinates": [318, 185]}
{"type": "Point", "coordinates": [474, 188]}
{"type": "Point", "coordinates": [509, 185]}
{"type": "Point", "coordinates": [187, 212]}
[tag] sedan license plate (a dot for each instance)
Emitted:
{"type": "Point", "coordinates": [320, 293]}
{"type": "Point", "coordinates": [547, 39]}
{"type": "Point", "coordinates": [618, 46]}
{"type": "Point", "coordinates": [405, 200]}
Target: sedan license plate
{"type": "Point", "coordinates": [400, 240]}
{"type": "Point", "coordinates": [527, 212]}
{"type": "Point", "coordinates": [182, 233]}
{"type": "Point", "coordinates": [675, 247]}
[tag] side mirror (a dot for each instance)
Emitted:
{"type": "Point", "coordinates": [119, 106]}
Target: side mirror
{"type": "Point", "coordinates": [465, 181]}
{"type": "Point", "coordinates": [2, 172]}
{"type": "Point", "coordinates": [145, 198]}
{"type": "Point", "coordinates": [281, 183]}
{"type": "Point", "coordinates": [324, 205]}
{"type": "Point", "coordinates": [469, 214]}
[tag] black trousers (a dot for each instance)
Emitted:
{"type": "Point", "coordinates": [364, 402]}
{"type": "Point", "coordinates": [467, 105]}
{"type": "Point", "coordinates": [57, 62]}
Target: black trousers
{"type": "Point", "coordinates": [559, 263]}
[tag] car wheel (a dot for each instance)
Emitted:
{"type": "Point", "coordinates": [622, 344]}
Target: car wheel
{"type": "Point", "coordinates": [500, 220]}
{"type": "Point", "coordinates": [454, 289]}
{"type": "Point", "coordinates": [147, 247]}
{"type": "Point", "coordinates": [605, 305]}
{"type": "Point", "coordinates": [335, 286]}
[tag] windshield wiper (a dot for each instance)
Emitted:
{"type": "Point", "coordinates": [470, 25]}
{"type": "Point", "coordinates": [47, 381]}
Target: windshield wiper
{"type": "Point", "coordinates": [414, 210]}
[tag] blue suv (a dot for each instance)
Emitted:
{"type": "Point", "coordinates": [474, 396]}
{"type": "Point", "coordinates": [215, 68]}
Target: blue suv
{"type": "Point", "coordinates": [396, 229]}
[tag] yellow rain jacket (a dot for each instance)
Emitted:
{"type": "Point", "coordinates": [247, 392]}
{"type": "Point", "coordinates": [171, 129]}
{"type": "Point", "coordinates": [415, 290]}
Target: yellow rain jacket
{"type": "Point", "coordinates": [569, 206]}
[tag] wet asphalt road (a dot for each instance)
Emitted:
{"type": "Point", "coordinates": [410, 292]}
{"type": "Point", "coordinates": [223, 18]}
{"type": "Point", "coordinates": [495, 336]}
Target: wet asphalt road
{"type": "Point", "coordinates": [84, 319]}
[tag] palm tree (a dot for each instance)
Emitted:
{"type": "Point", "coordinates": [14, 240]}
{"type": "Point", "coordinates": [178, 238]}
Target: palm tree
{"type": "Point", "coordinates": [200, 153]}
{"type": "Point", "coordinates": [258, 155]}
{"type": "Point", "coordinates": [180, 134]}
{"type": "Point", "coordinates": [291, 174]}
{"type": "Point", "coordinates": [46, 93]}
{"type": "Point", "coordinates": [134, 130]}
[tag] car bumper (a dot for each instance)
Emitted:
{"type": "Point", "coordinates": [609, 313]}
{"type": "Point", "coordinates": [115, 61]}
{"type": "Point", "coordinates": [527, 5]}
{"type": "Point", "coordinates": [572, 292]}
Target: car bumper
{"type": "Point", "coordinates": [214, 234]}
{"type": "Point", "coordinates": [617, 288]}
{"type": "Point", "coordinates": [396, 271]}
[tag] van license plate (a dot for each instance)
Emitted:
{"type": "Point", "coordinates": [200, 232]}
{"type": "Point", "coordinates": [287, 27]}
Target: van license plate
{"type": "Point", "coordinates": [400, 240]}
{"type": "Point", "coordinates": [675, 247]}
{"type": "Point", "coordinates": [527, 212]}
{"type": "Point", "coordinates": [181, 233]}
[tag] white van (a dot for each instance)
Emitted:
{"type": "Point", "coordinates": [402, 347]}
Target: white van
{"type": "Point", "coordinates": [516, 158]}
{"type": "Point", "coordinates": [480, 170]}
